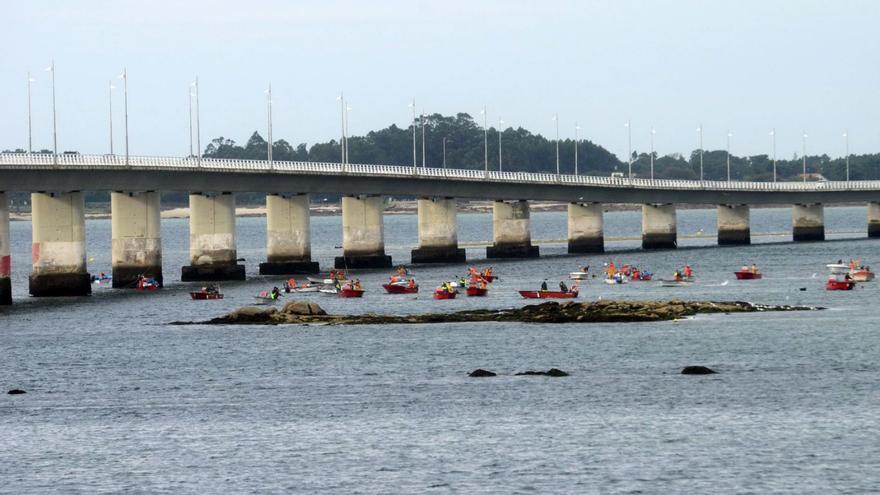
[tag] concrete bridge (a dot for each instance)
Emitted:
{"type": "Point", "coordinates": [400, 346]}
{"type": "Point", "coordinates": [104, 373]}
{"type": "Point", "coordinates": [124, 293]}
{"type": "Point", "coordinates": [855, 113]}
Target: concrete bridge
{"type": "Point", "coordinates": [56, 183]}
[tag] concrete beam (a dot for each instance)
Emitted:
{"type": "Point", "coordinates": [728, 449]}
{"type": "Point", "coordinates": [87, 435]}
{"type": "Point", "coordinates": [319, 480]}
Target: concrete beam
{"type": "Point", "coordinates": [733, 225]}
{"type": "Point", "coordinates": [510, 231]}
{"type": "Point", "coordinates": [363, 233]}
{"type": "Point", "coordinates": [58, 251]}
{"type": "Point", "coordinates": [659, 226]}
{"type": "Point", "coordinates": [288, 236]}
{"type": "Point", "coordinates": [585, 228]}
{"type": "Point", "coordinates": [808, 222]}
{"type": "Point", "coordinates": [438, 232]}
{"type": "Point", "coordinates": [212, 249]}
{"type": "Point", "coordinates": [136, 238]}
{"type": "Point", "coordinates": [5, 260]}
{"type": "Point", "coordinates": [874, 219]}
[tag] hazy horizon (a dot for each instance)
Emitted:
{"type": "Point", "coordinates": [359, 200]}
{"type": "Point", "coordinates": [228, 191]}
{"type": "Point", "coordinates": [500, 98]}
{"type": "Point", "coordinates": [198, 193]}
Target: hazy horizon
{"type": "Point", "coordinates": [796, 66]}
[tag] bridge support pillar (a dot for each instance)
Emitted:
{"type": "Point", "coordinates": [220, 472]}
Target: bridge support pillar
{"type": "Point", "coordinates": [874, 219]}
{"type": "Point", "coordinates": [288, 236]}
{"type": "Point", "coordinates": [363, 233]}
{"type": "Point", "coordinates": [510, 231]}
{"type": "Point", "coordinates": [808, 222]}
{"type": "Point", "coordinates": [438, 234]}
{"type": "Point", "coordinates": [585, 228]}
{"type": "Point", "coordinates": [733, 225]}
{"type": "Point", "coordinates": [59, 245]}
{"type": "Point", "coordinates": [5, 263]}
{"type": "Point", "coordinates": [137, 242]}
{"type": "Point", "coordinates": [212, 239]}
{"type": "Point", "coordinates": [658, 226]}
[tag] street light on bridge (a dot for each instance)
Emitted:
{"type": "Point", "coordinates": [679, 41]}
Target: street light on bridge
{"type": "Point", "coordinates": [110, 88]}
{"type": "Point", "coordinates": [269, 105]}
{"type": "Point", "coordinates": [556, 119]}
{"type": "Point", "coordinates": [444, 150]}
{"type": "Point", "coordinates": [413, 106]}
{"type": "Point", "coordinates": [342, 150]}
{"type": "Point", "coordinates": [195, 85]}
{"type": "Point", "coordinates": [729, 135]}
{"type": "Point", "coordinates": [51, 69]}
{"type": "Point", "coordinates": [500, 123]}
{"type": "Point", "coordinates": [422, 119]}
{"type": "Point", "coordinates": [30, 132]}
{"type": "Point", "coordinates": [805, 156]}
{"type": "Point", "coordinates": [577, 140]}
{"type": "Point", "coordinates": [485, 140]}
{"type": "Point", "coordinates": [846, 144]}
{"type": "Point", "coordinates": [653, 132]}
{"type": "Point", "coordinates": [124, 77]}
{"type": "Point", "coordinates": [629, 141]}
{"type": "Point", "coordinates": [773, 149]}
{"type": "Point", "coordinates": [700, 132]}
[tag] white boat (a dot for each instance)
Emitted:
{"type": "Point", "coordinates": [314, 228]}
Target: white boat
{"type": "Point", "coordinates": [329, 290]}
{"type": "Point", "coordinates": [578, 275]}
{"type": "Point", "coordinates": [306, 288]}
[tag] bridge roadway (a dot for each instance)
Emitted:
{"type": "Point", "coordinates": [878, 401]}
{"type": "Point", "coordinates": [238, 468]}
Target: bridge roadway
{"type": "Point", "coordinates": [56, 184]}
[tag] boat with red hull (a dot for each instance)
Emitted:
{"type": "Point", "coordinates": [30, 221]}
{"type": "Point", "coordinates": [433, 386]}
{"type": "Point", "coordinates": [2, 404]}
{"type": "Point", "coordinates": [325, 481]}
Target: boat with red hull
{"type": "Point", "coordinates": [445, 294]}
{"type": "Point", "coordinates": [548, 294]}
{"type": "Point", "coordinates": [400, 288]}
{"type": "Point", "coordinates": [747, 275]}
{"type": "Point", "coordinates": [839, 279]}
{"type": "Point", "coordinates": [474, 291]}
{"type": "Point", "coordinates": [350, 292]}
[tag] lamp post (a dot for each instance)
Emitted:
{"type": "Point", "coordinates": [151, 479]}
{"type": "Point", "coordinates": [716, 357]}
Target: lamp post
{"type": "Point", "coordinates": [653, 132]}
{"type": "Point", "coordinates": [805, 155]}
{"type": "Point", "coordinates": [422, 117]}
{"type": "Point", "coordinates": [485, 140]}
{"type": "Point", "coordinates": [346, 133]}
{"type": "Point", "coordinates": [846, 144]}
{"type": "Point", "coordinates": [500, 123]}
{"type": "Point", "coordinates": [556, 119]}
{"type": "Point", "coordinates": [629, 155]}
{"type": "Point", "coordinates": [189, 91]}
{"type": "Point", "coordinates": [577, 140]}
{"type": "Point", "coordinates": [700, 132]}
{"type": "Point", "coordinates": [110, 88]}
{"type": "Point", "coordinates": [413, 106]}
{"type": "Point", "coordinates": [729, 135]}
{"type": "Point", "coordinates": [773, 149]}
{"type": "Point", "coordinates": [30, 132]}
{"type": "Point", "coordinates": [124, 77]}
{"type": "Point", "coordinates": [51, 69]}
{"type": "Point", "coordinates": [341, 100]}
{"type": "Point", "coordinates": [444, 150]}
{"type": "Point", "coordinates": [195, 85]}
{"type": "Point", "coordinates": [269, 117]}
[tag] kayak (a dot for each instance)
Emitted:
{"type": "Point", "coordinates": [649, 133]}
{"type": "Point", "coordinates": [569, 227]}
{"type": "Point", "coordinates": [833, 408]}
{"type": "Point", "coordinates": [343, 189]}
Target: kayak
{"type": "Point", "coordinates": [351, 292]}
{"type": "Point", "coordinates": [747, 275]}
{"type": "Point", "coordinates": [400, 289]}
{"type": "Point", "coordinates": [444, 294]}
{"type": "Point", "coordinates": [474, 291]}
{"type": "Point", "coordinates": [548, 294]}
{"type": "Point", "coordinates": [204, 295]}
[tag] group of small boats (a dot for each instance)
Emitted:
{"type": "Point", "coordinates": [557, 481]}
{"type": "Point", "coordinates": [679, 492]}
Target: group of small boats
{"type": "Point", "coordinates": [846, 276]}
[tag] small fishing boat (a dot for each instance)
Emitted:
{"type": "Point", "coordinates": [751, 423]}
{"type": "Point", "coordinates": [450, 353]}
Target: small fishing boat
{"type": "Point", "coordinates": [747, 274]}
{"type": "Point", "coordinates": [578, 275]}
{"type": "Point", "coordinates": [839, 278]}
{"type": "Point", "coordinates": [618, 278]}
{"type": "Point", "coordinates": [675, 283]}
{"type": "Point", "coordinates": [642, 277]}
{"type": "Point", "coordinates": [206, 294]}
{"type": "Point", "coordinates": [348, 291]}
{"type": "Point", "coordinates": [861, 274]}
{"type": "Point", "coordinates": [147, 284]}
{"type": "Point", "coordinates": [102, 278]}
{"type": "Point", "coordinates": [264, 298]}
{"type": "Point", "coordinates": [476, 291]}
{"type": "Point", "coordinates": [305, 288]}
{"type": "Point", "coordinates": [329, 290]}
{"type": "Point", "coordinates": [401, 288]}
{"type": "Point", "coordinates": [445, 292]}
{"type": "Point", "coordinates": [549, 294]}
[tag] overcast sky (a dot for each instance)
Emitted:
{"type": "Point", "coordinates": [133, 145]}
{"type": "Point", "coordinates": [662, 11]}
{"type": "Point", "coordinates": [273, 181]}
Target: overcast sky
{"type": "Point", "coordinates": [747, 66]}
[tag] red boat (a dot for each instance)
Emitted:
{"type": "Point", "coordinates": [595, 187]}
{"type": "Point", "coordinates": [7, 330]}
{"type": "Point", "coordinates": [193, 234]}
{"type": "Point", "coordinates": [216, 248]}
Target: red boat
{"type": "Point", "coordinates": [145, 283]}
{"type": "Point", "coordinates": [747, 275]}
{"type": "Point", "coordinates": [400, 288]}
{"type": "Point", "coordinates": [474, 291]}
{"type": "Point", "coordinates": [445, 294]}
{"type": "Point", "coordinates": [548, 294]}
{"type": "Point", "coordinates": [350, 292]}
{"type": "Point", "coordinates": [206, 295]}
{"type": "Point", "coordinates": [839, 278]}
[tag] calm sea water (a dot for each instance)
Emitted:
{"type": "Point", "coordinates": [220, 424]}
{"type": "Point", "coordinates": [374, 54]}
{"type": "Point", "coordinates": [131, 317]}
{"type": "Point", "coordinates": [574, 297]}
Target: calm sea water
{"type": "Point", "coordinates": [118, 401]}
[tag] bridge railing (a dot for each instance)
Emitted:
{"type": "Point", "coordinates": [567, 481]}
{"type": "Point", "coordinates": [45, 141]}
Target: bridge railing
{"type": "Point", "coordinates": [103, 162]}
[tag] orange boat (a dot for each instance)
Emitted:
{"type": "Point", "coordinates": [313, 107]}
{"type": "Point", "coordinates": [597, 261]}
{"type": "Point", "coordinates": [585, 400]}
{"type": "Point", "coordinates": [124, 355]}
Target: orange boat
{"type": "Point", "coordinates": [400, 288]}
{"type": "Point", "coordinates": [548, 294]}
{"type": "Point", "coordinates": [475, 291]}
{"type": "Point", "coordinates": [445, 291]}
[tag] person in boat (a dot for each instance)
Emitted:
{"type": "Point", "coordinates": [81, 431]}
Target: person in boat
{"type": "Point", "coordinates": [688, 272]}
{"type": "Point", "coordinates": [357, 284]}
{"type": "Point", "coordinates": [754, 268]}
{"type": "Point", "coordinates": [544, 285]}
{"type": "Point", "coordinates": [676, 276]}
{"type": "Point", "coordinates": [462, 282]}
{"type": "Point", "coordinates": [563, 287]}
{"type": "Point", "coordinates": [411, 283]}
{"type": "Point", "coordinates": [274, 294]}
{"type": "Point", "coordinates": [635, 273]}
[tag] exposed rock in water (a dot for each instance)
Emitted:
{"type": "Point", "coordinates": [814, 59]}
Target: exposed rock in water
{"type": "Point", "coordinates": [697, 370]}
{"type": "Point", "coordinates": [481, 373]}
{"type": "Point", "coordinates": [606, 311]}
{"type": "Point", "coordinates": [16, 391]}
{"type": "Point", "coordinates": [550, 372]}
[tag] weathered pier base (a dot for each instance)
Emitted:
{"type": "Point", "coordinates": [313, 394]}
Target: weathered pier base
{"type": "Point", "coordinates": [438, 232]}
{"type": "Point", "coordinates": [808, 222]}
{"type": "Point", "coordinates": [212, 239]}
{"type": "Point", "coordinates": [585, 228]}
{"type": "Point", "coordinates": [874, 219]}
{"type": "Point", "coordinates": [658, 226]}
{"type": "Point", "coordinates": [137, 241]}
{"type": "Point", "coordinates": [288, 236]}
{"type": "Point", "coordinates": [58, 251]}
{"type": "Point", "coordinates": [363, 233]}
{"type": "Point", "coordinates": [5, 260]}
{"type": "Point", "coordinates": [510, 231]}
{"type": "Point", "coordinates": [733, 225]}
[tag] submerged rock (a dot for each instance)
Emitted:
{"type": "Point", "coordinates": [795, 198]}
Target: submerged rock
{"type": "Point", "coordinates": [16, 391]}
{"type": "Point", "coordinates": [697, 370]}
{"type": "Point", "coordinates": [550, 372]}
{"type": "Point", "coordinates": [481, 373]}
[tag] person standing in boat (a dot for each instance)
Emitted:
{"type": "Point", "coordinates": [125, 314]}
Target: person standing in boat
{"type": "Point", "coordinates": [544, 285]}
{"type": "Point", "coordinates": [563, 287]}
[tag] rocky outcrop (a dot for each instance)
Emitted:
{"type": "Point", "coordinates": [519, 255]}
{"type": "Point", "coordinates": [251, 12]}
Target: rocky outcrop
{"type": "Point", "coordinates": [550, 372]}
{"type": "Point", "coordinates": [481, 373]}
{"type": "Point", "coordinates": [697, 370]}
{"type": "Point", "coordinates": [16, 391]}
{"type": "Point", "coordinates": [608, 311]}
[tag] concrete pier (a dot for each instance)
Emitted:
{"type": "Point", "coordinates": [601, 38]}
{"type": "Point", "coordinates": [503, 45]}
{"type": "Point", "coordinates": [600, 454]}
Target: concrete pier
{"type": "Point", "coordinates": [5, 264]}
{"type": "Point", "coordinates": [438, 232]}
{"type": "Point", "coordinates": [363, 233]}
{"type": "Point", "coordinates": [510, 231]}
{"type": "Point", "coordinates": [733, 225]}
{"type": "Point", "coordinates": [585, 228]}
{"type": "Point", "coordinates": [873, 219]}
{"type": "Point", "coordinates": [288, 236]}
{"type": "Point", "coordinates": [808, 222]}
{"type": "Point", "coordinates": [212, 239]}
{"type": "Point", "coordinates": [58, 251]}
{"type": "Point", "coordinates": [137, 242]}
{"type": "Point", "coordinates": [658, 226]}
